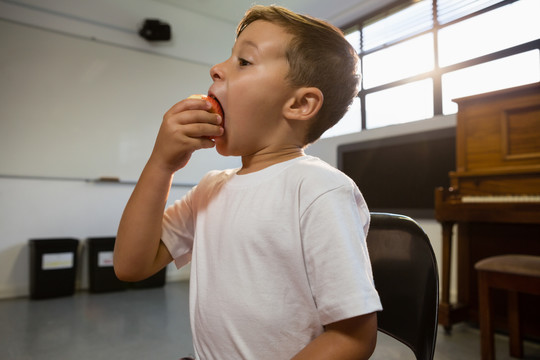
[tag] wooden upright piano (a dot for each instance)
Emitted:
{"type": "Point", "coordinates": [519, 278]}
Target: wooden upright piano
{"type": "Point", "coordinates": [494, 197]}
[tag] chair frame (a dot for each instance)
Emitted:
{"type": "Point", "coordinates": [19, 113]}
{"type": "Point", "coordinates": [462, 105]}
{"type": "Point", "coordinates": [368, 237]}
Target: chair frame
{"type": "Point", "coordinates": [406, 276]}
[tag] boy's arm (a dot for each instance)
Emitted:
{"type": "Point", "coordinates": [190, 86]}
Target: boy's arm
{"type": "Point", "coordinates": [138, 251]}
{"type": "Point", "coordinates": [353, 338]}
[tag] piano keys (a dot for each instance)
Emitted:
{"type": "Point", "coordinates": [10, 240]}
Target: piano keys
{"type": "Point", "coordinates": [494, 198]}
{"type": "Point", "coordinates": [501, 199]}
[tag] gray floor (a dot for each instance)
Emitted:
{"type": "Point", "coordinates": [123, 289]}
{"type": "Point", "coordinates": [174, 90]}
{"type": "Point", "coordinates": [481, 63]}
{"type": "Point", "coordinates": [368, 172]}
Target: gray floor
{"type": "Point", "coordinates": [154, 324]}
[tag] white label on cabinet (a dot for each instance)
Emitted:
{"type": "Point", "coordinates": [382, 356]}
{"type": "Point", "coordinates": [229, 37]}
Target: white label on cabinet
{"type": "Point", "coordinates": [105, 259]}
{"type": "Point", "coordinates": [56, 261]}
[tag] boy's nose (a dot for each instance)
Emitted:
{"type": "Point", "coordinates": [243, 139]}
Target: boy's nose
{"type": "Point", "coordinates": [216, 72]}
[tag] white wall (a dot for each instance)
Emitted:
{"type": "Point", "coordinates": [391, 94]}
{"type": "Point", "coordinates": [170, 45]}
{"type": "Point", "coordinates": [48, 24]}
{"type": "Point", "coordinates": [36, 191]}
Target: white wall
{"type": "Point", "coordinates": [194, 37]}
{"type": "Point", "coordinates": [31, 209]}
{"type": "Point", "coordinates": [53, 208]}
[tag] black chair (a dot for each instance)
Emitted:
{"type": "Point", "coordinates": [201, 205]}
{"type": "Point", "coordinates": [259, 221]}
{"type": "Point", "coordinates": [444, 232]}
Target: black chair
{"type": "Point", "coordinates": [406, 277]}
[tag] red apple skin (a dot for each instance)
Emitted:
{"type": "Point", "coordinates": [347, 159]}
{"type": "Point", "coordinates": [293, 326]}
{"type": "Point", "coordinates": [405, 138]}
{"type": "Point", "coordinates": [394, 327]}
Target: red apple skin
{"type": "Point", "coordinates": [216, 108]}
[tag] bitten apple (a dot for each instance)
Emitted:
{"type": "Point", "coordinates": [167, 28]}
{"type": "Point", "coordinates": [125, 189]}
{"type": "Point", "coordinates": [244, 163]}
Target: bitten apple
{"type": "Point", "coordinates": [216, 107]}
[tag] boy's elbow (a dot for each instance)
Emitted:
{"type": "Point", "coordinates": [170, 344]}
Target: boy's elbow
{"type": "Point", "coordinates": [122, 273]}
{"type": "Point", "coordinates": [128, 275]}
{"type": "Point", "coordinates": [125, 272]}
{"type": "Point", "coordinates": [129, 266]}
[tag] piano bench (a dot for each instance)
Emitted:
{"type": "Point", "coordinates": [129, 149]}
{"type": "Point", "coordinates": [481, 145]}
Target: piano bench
{"type": "Point", "coordinates": [515, 274]}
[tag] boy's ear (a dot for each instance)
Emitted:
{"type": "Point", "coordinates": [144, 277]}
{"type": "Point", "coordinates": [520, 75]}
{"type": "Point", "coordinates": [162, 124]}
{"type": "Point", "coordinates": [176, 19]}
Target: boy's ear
{"type": "Point", "coordinates": [304, 104]}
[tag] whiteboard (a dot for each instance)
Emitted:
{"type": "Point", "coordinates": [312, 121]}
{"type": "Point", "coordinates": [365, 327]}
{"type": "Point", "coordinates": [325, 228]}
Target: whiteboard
{"type": "Point", "coordinates": [77, 108]}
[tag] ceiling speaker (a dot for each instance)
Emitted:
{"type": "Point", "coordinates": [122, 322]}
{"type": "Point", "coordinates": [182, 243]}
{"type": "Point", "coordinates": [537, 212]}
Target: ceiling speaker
{"type": "Point", "coordinates": [155, 30]}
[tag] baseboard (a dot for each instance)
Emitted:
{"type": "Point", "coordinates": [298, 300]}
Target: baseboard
{"type": "Point", "coordinates": [14, 292]}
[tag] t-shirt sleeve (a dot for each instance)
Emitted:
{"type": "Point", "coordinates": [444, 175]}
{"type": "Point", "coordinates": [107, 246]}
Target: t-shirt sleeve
{"type": "Point", "coordinates": [178, 229]}
{"type": "Point", "coordinates": [334, 227]}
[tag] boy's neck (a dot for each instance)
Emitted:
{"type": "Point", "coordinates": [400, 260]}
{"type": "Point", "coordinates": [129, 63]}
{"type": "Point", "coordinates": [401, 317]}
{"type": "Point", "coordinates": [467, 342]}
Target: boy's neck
{"type": "Point", "coordinates": [253, 163]}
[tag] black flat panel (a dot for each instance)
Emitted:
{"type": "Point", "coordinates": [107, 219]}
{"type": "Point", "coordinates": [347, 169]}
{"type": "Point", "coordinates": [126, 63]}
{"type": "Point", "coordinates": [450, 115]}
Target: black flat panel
{"type": "Point", "coordinates": [399, 174]}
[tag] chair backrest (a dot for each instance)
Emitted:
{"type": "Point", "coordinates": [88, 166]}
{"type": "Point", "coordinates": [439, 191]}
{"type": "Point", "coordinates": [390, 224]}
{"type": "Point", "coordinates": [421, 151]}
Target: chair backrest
{"type": "Point", "coordinates": [406, 277]}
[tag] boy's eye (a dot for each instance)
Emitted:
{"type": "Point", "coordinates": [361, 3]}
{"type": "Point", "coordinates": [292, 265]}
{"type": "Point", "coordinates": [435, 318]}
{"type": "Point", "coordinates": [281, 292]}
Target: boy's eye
{"type": "Point", "coordinates": [243, 62]}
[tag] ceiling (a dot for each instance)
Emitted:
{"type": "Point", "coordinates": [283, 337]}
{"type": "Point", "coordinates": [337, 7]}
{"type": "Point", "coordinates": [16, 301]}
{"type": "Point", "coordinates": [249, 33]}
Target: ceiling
{"type": "Point", "coordinates": [338, 12]}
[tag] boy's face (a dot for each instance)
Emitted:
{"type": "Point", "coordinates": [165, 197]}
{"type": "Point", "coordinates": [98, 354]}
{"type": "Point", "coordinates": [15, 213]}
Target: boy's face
{"type": "Point", "coordinates": [252, 89]}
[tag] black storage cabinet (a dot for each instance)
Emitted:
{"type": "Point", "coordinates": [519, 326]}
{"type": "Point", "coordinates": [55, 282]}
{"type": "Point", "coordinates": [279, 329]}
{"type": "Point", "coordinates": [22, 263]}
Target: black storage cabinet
{"type": "Point", "coordinates": [53, 267]}
{"type": "Point", "coordinates": [102, 277]}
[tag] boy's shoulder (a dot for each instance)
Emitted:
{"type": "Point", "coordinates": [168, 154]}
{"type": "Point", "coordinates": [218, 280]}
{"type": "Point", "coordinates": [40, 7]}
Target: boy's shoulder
{"type": "Point", "coordinates": [307, 172]}
{"type": "Point", "coordinates": [312, 163]}
{"type": "Point", "coordinates": [315, 179]}
{"type": "Point", "coordinates": [318, 172]}
{"type": "Point", "coordinates": [215, 178]}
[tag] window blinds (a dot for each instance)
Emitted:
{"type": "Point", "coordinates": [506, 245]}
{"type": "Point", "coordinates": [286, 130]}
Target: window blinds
{"type": "Point", "coordinates": [403, 22]}
{"type": "Point", "coordinates": [398, 24]}
{"type": "Point", "coordinates": [450, 10]}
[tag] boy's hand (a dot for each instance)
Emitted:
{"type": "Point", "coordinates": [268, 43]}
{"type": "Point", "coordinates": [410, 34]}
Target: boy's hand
{"type": "Point", "coordinates": [186, 127]}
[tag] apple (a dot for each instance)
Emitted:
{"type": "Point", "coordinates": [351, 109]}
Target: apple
{"type": "Point", "coordinates": [216, 107]}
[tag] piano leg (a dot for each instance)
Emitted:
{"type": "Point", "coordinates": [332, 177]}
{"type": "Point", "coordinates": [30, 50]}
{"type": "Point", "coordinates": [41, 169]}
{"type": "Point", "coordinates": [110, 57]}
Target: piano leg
{"type": "Point", "coordinates": [448, 314]}
{"type": "Point", "coordinates": [444, 306]}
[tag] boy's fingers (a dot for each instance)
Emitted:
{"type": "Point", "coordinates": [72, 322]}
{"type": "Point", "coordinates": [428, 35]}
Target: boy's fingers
{"type": "Point", "coordinates": [190, 104]}
{"type": "Point", "coordinates": [207, 143]}
{"type": "Point", "coordinates": [193, 117]}
{"type": "Point", "coordinates": [202, 130]}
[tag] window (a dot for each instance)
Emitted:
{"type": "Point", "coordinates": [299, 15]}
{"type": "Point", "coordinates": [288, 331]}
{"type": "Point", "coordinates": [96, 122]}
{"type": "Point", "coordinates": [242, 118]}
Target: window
{"type": "Point", "coordinates": [498, 74]}
{"type": "Point", "coordinates": [410, 102]}
{"type": "Point", "coordinates": [409, 58]}
{"type": "Point", "coordinates": [489, 32]}
{"type": "Point", "coordinates": [349, 123]}
{"type": "Point", "coordinates": [418, 55]}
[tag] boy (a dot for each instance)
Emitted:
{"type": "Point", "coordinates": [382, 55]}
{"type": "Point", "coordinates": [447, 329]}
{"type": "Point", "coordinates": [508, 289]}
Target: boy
{"type": "Point", "coordinates": [280, 268]}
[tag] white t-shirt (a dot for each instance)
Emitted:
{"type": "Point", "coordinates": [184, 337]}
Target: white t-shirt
{"type": "Point", "coordinates": [276, 255]}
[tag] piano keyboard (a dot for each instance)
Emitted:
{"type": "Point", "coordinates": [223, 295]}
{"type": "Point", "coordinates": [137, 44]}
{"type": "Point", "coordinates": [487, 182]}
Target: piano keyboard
{"type": "Point", "coordinates": [501, 198]}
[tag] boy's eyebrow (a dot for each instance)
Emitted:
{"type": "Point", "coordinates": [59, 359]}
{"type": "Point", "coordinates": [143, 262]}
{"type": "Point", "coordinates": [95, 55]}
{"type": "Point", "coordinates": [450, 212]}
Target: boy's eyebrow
{"type": "Point", "coordinates": [249, 43]}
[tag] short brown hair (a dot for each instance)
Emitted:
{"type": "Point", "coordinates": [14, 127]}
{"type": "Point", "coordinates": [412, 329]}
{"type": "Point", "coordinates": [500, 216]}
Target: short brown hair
{"type": "Point", "coordinates": [318, 56]}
